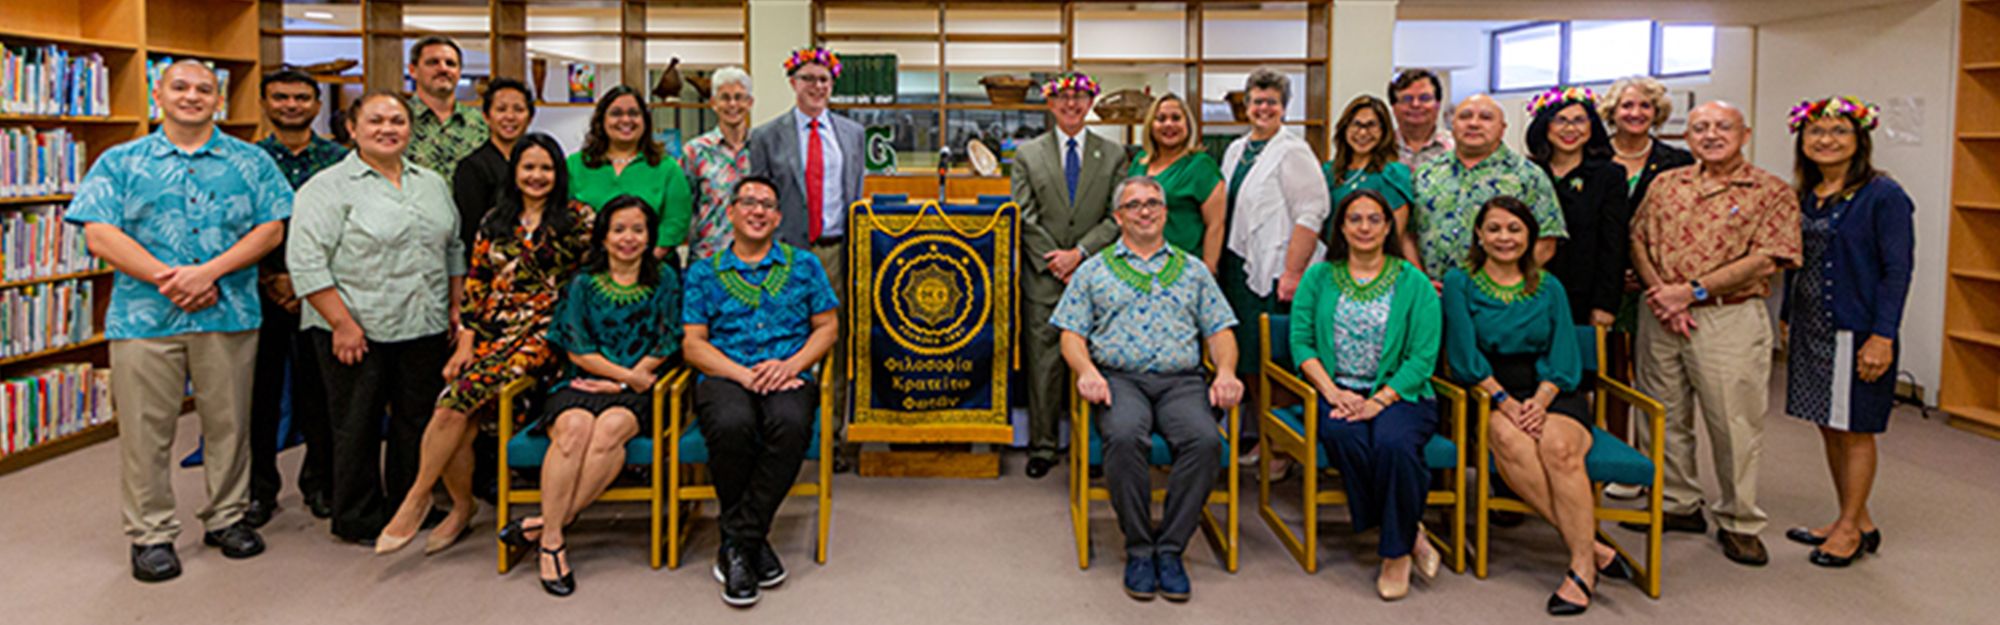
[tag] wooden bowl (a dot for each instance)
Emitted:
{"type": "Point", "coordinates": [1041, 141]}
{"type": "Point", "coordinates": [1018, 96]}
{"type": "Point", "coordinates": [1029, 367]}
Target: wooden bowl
{"type": "Point", "coordinates": [1238, 108]}
{"type": "Point", "coordinates": [1005, 89]}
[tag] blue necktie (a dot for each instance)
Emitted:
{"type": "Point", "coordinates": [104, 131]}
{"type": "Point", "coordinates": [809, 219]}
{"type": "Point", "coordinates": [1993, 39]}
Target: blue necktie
{"type": "Point", "coordinates": [1072, 167]}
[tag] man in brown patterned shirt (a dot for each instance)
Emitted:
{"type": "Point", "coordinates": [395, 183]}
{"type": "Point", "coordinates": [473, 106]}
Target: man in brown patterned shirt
{"type": "Point", "coordinates": [1706, 241]}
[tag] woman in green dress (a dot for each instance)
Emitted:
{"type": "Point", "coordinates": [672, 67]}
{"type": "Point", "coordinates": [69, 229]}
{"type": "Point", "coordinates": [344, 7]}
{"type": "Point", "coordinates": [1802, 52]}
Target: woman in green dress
{"type": "Point", "coordinates": [1196, 199]}
{"type": "Point", "coordinates": [617, 324]}
{"type": "Point", "coordinates": [620, 157]}
{"type": "Point", "coordinates": [1365, 158]}
{"type": "Point", "coordinates": [1509, 333]}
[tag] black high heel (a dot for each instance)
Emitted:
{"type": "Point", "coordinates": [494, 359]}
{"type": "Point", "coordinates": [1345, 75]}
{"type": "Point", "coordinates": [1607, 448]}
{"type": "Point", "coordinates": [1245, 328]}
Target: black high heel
{"type": "Point", "coordinates": [515, 534]}
{"type": "Point", "coordinates": [1617, 569]}
{"type": "Point", "coordinates": [565, 584]}
{"type": "Point", "coordinates": [1559, 606]}
{"type": "Point", "coordinates": [1871, 540]}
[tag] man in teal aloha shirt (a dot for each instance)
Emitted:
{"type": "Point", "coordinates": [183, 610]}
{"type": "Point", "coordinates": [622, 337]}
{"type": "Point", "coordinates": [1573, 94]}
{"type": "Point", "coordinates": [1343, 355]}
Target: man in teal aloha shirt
{"type": "Point", "coordinates": [1452, 187]}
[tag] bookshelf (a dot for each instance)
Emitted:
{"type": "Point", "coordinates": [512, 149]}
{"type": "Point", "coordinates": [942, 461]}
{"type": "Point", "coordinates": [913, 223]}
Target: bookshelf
{"type": "Point", "coordinates": [1971, 364]}
{"type": "Point", "coordinates": [1020, 38]}
{"type": "Point", "coordinates": [126, 34]}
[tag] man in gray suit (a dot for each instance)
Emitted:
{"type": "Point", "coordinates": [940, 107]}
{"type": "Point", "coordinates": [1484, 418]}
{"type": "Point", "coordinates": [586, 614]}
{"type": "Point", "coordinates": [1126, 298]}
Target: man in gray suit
{"type": "Point", "coordinates": [815, 157]}
{"type": "Point", "coordinates": [1062, 181]}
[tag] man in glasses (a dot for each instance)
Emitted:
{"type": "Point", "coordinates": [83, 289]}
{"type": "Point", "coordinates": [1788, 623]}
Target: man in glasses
{"type": "Point", "coordinates": [1132, 321]}
{"type": "Point", "coordinates": [1415, 95]}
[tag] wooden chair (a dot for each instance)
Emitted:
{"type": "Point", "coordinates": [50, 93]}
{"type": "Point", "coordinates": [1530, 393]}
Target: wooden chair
{"type": "Point", "coordinates": [687, 480]}
{"type": "Point", "coordinates": [525, 450]}
{"type": "Point", "coordinates": [1289, 430]}
{"type": "Point", "coordinates": [1086, 449]}
{"type": "Point", "coordinates": [1609, 460]}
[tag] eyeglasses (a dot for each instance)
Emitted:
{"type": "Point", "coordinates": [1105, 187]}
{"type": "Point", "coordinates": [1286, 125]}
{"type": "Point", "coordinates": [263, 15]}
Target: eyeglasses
{"type": "Point", "coordinates": [1145, 204]}
{"type": "Point", "coordinates": [1367, 125]}
{"type": "Point", "coordinates": [1836, 132]}
{"type": "Point", "coordinates": [732, 97]}
{"type": "Point", "coordinates": [1570, 122]}
{"type": "Point", "coordinates": [751, 202]}
{"type": "Point", "coordinates": [1070, 96]}
{"type": "Point", "coordinates": [1420, 98]}
{"type": "Point", "coordinates": [1266, 102]}
{"type": "Point", "coordinates": [1372, 219]}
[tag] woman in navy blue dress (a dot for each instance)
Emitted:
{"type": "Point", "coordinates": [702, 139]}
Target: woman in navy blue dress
{"type": "Point", "coordinates": [1843, 307]}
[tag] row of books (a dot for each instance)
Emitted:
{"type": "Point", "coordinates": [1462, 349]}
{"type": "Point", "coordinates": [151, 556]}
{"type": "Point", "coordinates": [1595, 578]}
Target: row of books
{"type": "Point", "coordinates": [35, 242]}
{"type": "Point", "coordinates": [44, 316]}
{"type": "Point", "coordinates": [39, 161]}
{"type": "Point", "coordinates": [158, 64]}
{"type": "Point", "coordinates": [51, 403]}
{"type": "Point", "coordinates": [48, 80]}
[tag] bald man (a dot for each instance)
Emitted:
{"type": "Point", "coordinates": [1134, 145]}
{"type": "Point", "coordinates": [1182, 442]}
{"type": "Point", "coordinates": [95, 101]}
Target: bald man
{"type": "Point", "coordinates": [183, 215]}
{"type": "Point", "coordinates": [1450, 190]}
{"type": "Point", "coordinates": [1705, 241]}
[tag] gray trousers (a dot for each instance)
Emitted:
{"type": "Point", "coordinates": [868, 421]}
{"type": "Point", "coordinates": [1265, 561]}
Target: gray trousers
{"type": "Point", "coordinates": [1176, 406]}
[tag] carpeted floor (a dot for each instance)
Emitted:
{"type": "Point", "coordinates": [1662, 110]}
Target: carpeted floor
{"type": "Point", "coordinates": [1000, 551]}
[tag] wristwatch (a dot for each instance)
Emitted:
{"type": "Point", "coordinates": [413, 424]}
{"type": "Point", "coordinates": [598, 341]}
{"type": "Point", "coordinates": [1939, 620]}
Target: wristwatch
{"type": "Point", "coordinates": [1700, 292]}
{"type": "Point", "coordinates": [1500, 396]}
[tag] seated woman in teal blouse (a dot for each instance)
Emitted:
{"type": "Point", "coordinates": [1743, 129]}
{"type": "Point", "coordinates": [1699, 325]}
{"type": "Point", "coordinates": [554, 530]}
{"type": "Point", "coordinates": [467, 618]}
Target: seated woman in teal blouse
{"type": "Point", "coordinates": [618, 322]}
{"type": "Point", "coordinates": [620, 157]}
{"type": "Point", "coordinates": [1508, 331]}
{"type": "Point", "coordinates": [1365, 157]}
{"type": "Point", "coordinates": [1365, 333]}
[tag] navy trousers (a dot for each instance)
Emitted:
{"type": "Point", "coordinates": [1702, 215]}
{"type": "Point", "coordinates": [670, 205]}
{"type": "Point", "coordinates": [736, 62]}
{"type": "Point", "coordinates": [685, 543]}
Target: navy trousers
{"type": "Point", "coordinates": [1381, 462]}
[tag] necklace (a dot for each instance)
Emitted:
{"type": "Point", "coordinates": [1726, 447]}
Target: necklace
{"type": "Point", "coordinates": [620, 294]}
{"type": "Point", "coordinates": [1142, 281]}
{"type": "Point", "coordinates": [1343, 279]}
{"type": "Point", "coordinates": [752, 295]}
{"type": "Point", "coordinates": [1638, 154]}
{"type": "Point", "coordinates": [1507, 294]}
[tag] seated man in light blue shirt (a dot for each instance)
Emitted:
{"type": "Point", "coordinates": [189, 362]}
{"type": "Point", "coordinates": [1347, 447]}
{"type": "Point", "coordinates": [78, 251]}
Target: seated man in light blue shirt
{"type": "Point", "coordinates": [1132, 320]}
{"type": "Point", "coordinates": [183, 215]}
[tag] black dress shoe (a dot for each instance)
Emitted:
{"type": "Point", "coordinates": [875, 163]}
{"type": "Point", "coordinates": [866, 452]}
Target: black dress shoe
{"type": "Point", "coordinates": [155, 563]}
{"type": "Point", "coordinates": [1870, 540]}
{"type": "Point", "coordinates": [770, 572]}
{"type": "Point", "coordinates": [1692, 523]}
{"type": "Point", "coordinates": [1559, 606]}
{"type": "Point", "coordinates": [237, 541]}
{"type": "Point", "coordinates": [1745, 549]}
{"type": "Point", "coordinates": [1821, 558]}
{"type": "Point", "coordinates": [1038, 467]}
{"type": "Point", "coordinates": [320, 504]}
{"type": "Point", "coordinates": [565, 581]}
{"type": "Point", "coordinates": [259, 513]}
{"type": "Point", "coordinates": [739, 579]}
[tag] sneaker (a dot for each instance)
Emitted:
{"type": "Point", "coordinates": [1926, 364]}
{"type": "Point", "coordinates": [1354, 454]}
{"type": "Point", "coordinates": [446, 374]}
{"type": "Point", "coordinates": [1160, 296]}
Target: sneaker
{"type": "Point", "coordinates": [1625, 492]}
{"type": "Point", "coordinates": [738, 577]}
{"type": "Point", "coordinates": [1173, 576]}
{"type": "Point", "coordinates": [1141, 580]}
{"type": "Point", "coordinates": [237, 541]}
{"type": "Point", "coordinates": [770, 572]}
{"type": "Point", "coordinates": [155, 563]}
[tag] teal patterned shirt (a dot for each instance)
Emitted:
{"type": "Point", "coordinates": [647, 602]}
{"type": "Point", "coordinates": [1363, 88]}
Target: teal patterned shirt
{"type": "Point", "coordinates": [439, 144]}
{"type": "Point", "coordinates": [185, 208]}
{"type": "Point", "coordinates": [1449, 196]}
{"type": "Point", "coordinates": [1361, 326]}
{"type": "Point", "coordinates": [1156, 329]}
{"type": "Point", "coordinates": [624, 328]}
{"type": "Point", "coordinates": [320, 153]}
{"type": "Point", "coordinates": [777, 326]}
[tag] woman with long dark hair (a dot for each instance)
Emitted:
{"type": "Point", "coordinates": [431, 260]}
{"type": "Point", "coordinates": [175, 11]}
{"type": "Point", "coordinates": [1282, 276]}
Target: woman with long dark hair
{"type": "Point", "coordinates": [1365, 157]}
{"type": "Point", "coordinates": [618, 324]}
{"type": "Point", "coordinates": [1196, 199]}
{"type": "Point", "coordinates": [1843, 308]}
{"type": "Point", "coordinates": [621, 157]}
{"type": "Point", "coordinates": [1568, 140]}
{"type": "Point", "coordinates": [526, 250]}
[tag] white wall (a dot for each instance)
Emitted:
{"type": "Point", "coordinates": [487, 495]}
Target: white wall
{"type": "Point", "coordinates": [1880, 55]}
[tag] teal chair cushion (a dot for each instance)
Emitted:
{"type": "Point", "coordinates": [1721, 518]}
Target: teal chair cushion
{"type": "Point", "coordinates": [526, 449]}
{"type": "Point", "coordinates": [1281, 341]}
{"type": "Point", "coordinates": [1161, 454]}
{"type": "Point", "coordinates": [1611, 460]}
{"type": "Point", "coordinates": [1586, 347]}
{"type": "Point", "coordinates": [1439, 453]}
{"type": "Point", "coordinates": [694, 446]}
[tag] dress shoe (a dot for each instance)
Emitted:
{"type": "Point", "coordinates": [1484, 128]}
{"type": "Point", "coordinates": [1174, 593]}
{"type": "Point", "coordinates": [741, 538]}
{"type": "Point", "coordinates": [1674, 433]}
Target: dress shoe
{"type": "Point", "coordinates": [1692, 523]}
{"type": "Point", "coordinates": [770, 572]}
{"type": "Point", "coordinates": [436, 542]}
{"type": "Point", "coordinates": [1618, 568]}
{"type": "Point", "coordinates": [237, 541]}
{"type": "Point", "coordinates": [1038, 467]}
{"type": "Point", "coordinates": [1821, 557]}
{"type": "Point", "coordinates": [259, 512]}
{"type": "Point", "coordinates": [1559, 606]}
{"type": "Point", "coordinates": [1424, 557]}
{"type": "Point", "coordinates": [515, 534]}
{"type": "Point", "coordinates": [1870, 540]}
{"type": "Point", "coordinates": [387, 544]}
{"type": "Point", "coordinates": [1172, 573]}
{"type": "Point", "coordinates": [738, 576]}
{"type": "Point", "coordinates": [155, 563]}
{"type": "Point", "coordinates": [1142, 578]}
{"type": "Point", "coordinates": [320, 504]}
{"type": "Point", "coordinates": [1743, 548]}
{"type": "Point", "coordinates": [1391, 589]}
{"type": "Point", "coordinates": [565, 580]}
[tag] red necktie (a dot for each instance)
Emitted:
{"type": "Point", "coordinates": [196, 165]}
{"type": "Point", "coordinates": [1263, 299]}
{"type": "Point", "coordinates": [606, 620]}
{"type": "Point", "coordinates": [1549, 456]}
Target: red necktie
{"type": "Point", "coordinates": [815, 172]}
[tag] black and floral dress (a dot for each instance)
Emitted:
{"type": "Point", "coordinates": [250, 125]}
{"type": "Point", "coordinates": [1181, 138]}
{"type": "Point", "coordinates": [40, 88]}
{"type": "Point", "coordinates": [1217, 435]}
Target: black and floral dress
{"type": "Point", "coordinates": [510, 289]}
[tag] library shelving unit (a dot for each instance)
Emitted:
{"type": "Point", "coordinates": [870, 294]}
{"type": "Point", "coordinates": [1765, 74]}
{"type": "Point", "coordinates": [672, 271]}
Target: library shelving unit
{"type": "Point", "coordinates": [1019, 38]}
{"type": "Point", "coordinates": [127, 33]}
{"type": "Point", "coordinates": [1971, 368]}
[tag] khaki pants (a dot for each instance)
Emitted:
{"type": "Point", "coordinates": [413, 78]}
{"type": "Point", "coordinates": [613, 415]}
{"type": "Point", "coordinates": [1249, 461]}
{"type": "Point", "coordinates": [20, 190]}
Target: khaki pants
{"type": "Point", "coordinates": [834, 258]}
{"type": "Point", "coordinates": [147, 383]}
{"type": "Point", "coordinates": [1726, 365]}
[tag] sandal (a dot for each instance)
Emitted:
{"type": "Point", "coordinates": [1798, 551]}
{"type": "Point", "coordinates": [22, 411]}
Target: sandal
{"type": "Point", "coordinates": [515, 534]}
{"type": "Point", "coordinates": [1559, 606]}
{"type": "Point", "coordinates": [565, 584]}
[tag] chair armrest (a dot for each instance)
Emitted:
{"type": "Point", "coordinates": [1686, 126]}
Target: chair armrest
{"type": "Point", "coordinates": [1456, 395]}
{"type": "Point", "coordinates": [1656, 413]}
{"type": "Point", "coordinates": [508, 393]}
{"type": "Point", "coordinates": [1292, 383]}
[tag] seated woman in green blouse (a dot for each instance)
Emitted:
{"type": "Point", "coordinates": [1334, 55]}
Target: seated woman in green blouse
{"type": "Point", "coordinates": [620, 157]}
{"type": "Point", "coordinates": [1365, 334]}
{"type": "Point", "coordinates": [1365, 157]}
{"type": "Point", "coordinates": [1197, 202]}
{"type": "Point", "coordinates": [618, 322]}
{"type": "Point", "coordinates": [1508, 331]}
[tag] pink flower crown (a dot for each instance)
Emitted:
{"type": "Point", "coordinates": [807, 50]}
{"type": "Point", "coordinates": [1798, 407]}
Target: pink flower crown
{"type": "Point", "coordinates": [1560, 97]}
{"type": "Point", "coordinates": [1865, 115]}
{"type": "Point", "coordinates": [1069, 80]}
{"type": "Point", "coordinates": [822, 56]}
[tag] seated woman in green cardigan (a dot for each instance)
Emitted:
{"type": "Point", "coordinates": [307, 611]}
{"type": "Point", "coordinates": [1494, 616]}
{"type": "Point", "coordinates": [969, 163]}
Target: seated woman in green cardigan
{"type": "Point", "coordinates": [1508, 331]}
{"type": "Point", "coordinates": [1365, 333]}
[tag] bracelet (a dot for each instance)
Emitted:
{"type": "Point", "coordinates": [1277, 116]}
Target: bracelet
{"type": "Point", "coordinates": [1500, 396]}
{"type": "Point", "coordinates": [1379, 402]}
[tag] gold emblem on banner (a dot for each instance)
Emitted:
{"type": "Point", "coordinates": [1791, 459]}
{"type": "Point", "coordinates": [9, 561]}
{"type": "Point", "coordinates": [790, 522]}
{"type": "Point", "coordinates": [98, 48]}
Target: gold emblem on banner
{"type": "Point", "coordinates": [931, 278]}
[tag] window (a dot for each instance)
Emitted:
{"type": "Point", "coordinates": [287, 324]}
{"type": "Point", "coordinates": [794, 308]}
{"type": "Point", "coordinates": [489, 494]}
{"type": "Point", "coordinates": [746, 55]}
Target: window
{"type": "Point", "coordinates": [1540, 55]}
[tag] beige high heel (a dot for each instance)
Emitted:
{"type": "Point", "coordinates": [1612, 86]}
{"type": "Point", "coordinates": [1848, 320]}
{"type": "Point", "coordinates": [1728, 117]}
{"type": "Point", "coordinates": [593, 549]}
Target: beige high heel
{"type": "Point", "coordinates": [1425, 557]}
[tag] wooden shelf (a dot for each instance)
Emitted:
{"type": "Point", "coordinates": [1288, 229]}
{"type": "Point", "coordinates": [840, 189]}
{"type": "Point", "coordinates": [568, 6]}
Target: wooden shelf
{"type": "Point", "coordinates": [564, 105]}
{"type": "Point", "coordinates": [1988, 275]}
{"type": "Point", "coordinates": [311, 32]}
{"type": "Point", "coordinates": [1980, 206]}
{"type": "Point", "coordinates": [1131, 62]}
{"type": "Point", "coordinates": [668, 35]}
{"type": "Point", "coordinates": [55, 278]}
{"type": "Point", "coordinates": [1985, 416]}
{"type": "Point", "coordinates": [86, 437]}
{"type": "Point", "coordinates": [1310, 123]}
{"type": "Point", "coordinates": [1979, 136]}
{"type": "Point", "coordinates": [17, 36]}
{"type": "Point", "coordinates": [409, 33]}
{"type": "Point", "coordinates": [219, 59]}
{"type": "Point", "coordinates": [893, 106]}
{"type": "Point", "coordinates": [1983, 66]}
{"type": "Point", "coordinates": [1003, 37]}
{"type": "Point", "coordinates": [72, 347]}
{"type": "Point", "coordinates": [1250, 62]}
{"type": "Point", "coordinates": [679, 104]}
{"type": "Point", "coordinates": [1978, 337]}
{"type": "Point", "coordinates": [879, 36]}
{"type": "Point", "coordinates": [65, 119]}
{"type": "Point", "coordinates": [35, 199]}
{"type": "Point", "coordinates": [1030, 107]}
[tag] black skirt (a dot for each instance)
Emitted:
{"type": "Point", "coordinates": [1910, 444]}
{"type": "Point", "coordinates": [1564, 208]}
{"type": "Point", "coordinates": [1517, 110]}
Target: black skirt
{"type": "Point", "coordinates": [566, 399]}
{"type": "Point", "coordinates": [1516, 373]}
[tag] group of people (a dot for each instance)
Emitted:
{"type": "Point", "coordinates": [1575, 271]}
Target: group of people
{"type": "Point", "coordinates": [452, 251]}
